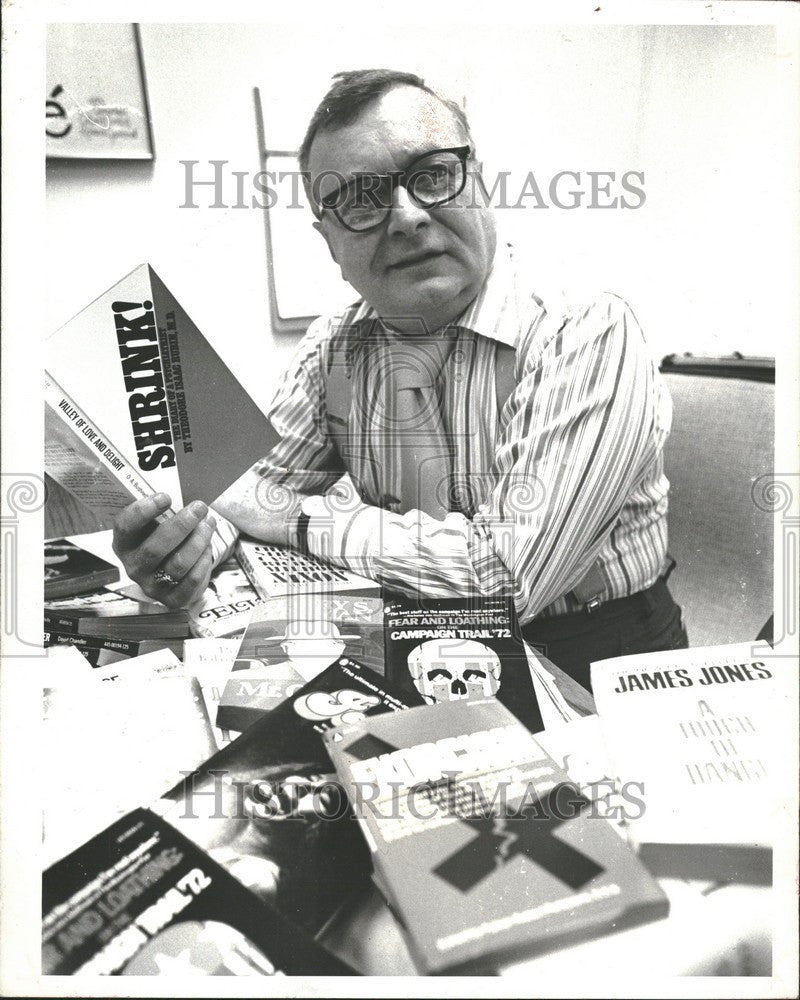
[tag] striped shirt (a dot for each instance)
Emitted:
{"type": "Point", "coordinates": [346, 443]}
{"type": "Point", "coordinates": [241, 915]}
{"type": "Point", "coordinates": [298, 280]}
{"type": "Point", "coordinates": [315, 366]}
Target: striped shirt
{"type": "Point", "coordinates": [568, 475]}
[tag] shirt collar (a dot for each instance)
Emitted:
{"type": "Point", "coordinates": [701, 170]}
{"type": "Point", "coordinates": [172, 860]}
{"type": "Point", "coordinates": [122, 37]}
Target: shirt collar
{"type": "Point", "coordinates": [494, 313]}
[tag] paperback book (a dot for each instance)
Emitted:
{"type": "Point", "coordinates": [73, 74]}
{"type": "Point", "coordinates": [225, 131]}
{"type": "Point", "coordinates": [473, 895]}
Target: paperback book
{"type": "Point", "coordinates": [227, 604]}
{"type": "Point", "coordinates": [155, 389]}
{"type": "Point", "coordinates": [121, 736]}
{"type": "Point", "coordinates": [275, 570]}
{"type": "Point", "coordinates": [210, 661]}
{"type": "Point", "coordinates": [70, 570]}
{"type": "Point", "coordinates": [81, 458]}
{"type": "Point", "coordinates": [291, 639]}
{"type": "Point", "coordinates": [100, 651]}
{"type": "Point", "coordinates": [140, 899]}
{"type": "Point", "coordinates": [483, 847]}
{"type": "Point", "coordinates": [110, 614]}
{"type": "Point", "coordinates": [452, 649]}
{"type": "Point", "coordinates": [696, 729]}
{"type": "Point", "coordinates": [268, 807]}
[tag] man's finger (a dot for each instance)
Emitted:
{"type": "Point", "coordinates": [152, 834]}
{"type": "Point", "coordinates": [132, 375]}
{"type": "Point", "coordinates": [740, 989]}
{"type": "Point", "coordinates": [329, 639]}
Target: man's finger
{"type": "Point", "coordinates": [186, 555]}
{"type": "Point", "coordinates": [148, 556]}
{"type": "Point", "coordinates": [190, 586]}
{"type": "Point", "coordinates": [137, 521]}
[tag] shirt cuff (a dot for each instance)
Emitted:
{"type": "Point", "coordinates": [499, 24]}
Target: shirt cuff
{"type": "Point", "coordinates": [344, 537]}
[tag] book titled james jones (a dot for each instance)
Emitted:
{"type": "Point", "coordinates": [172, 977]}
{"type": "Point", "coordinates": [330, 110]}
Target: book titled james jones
{"type": "Point", "coordinates": [462, 648]}
{"type": "Point", "coordinates": [483, 846]}
{"type": "Point", "coordinates": [697, 729]}
{"type": "Point", "coordinates": [140, 899]}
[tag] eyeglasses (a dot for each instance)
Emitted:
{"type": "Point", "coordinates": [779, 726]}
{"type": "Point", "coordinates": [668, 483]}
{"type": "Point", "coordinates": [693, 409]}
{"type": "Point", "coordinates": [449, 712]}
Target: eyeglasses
{"type": "Point", "coordinates": [431, 180]}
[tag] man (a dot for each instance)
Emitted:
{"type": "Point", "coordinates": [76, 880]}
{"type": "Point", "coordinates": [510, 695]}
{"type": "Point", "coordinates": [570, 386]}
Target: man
{"type": "Point", "coordinates": [493, 444]}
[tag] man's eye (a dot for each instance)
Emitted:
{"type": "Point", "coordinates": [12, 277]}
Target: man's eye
{"type": "Point", "coordinates": [432, 177]}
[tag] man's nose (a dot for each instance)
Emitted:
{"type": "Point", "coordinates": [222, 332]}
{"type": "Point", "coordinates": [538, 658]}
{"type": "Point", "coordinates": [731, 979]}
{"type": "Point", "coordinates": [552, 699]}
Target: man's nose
{"type": "Point", "coordinates": [406, 217]}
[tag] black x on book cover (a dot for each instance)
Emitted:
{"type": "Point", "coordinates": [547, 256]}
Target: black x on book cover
{"type": "Point", "coordinates": [482, 845]}
{"type": "Point", "coordinates": [139, 899]}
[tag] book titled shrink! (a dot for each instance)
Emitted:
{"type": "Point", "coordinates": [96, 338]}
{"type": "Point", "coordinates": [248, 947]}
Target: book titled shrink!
{"type": "Point", "coordinates": [452, 649]}
{"type": "Point", "coordinates": [138, 401]}
{"type": "Point", "coordinates": [140, 899]}
{"type": "Point", "coordinates": [699, 730]}
{"type": "Point", "coordinates": [482, 845]}
{"type": "Point", "coordinates": [268, 806]}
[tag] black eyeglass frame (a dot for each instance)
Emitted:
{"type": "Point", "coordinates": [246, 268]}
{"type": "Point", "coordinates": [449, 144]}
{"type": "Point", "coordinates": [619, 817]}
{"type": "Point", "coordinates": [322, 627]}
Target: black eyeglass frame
{"type": "Point", "coordinates": [398, 178]}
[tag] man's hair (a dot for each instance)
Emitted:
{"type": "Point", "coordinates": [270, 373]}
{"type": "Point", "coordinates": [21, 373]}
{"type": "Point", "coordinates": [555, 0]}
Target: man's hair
{"type": "Point", "coordinates": [352, 92]}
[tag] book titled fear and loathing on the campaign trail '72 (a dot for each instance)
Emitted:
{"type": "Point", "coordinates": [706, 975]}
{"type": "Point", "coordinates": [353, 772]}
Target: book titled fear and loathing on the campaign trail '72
{"type": "Point", "coordinates": [139, 899]}
{"type": "Point", "coordinates": [463, 648]}
{"type": "Point", "coordinates": [138, 402]}
{"type": "Point", "coordinates": [481, 844]}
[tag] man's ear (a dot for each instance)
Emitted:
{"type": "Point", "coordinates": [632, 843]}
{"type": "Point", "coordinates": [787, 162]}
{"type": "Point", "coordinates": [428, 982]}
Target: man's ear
{"type": "Point", "coordinates": [321, 230]}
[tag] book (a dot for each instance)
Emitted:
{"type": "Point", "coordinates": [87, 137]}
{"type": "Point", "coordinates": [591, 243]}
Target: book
{"type": "Point", "coordinates": [155, 388]}
{"type": "Point", "coordinates": [275, 570]}
{"type": "Point", "coordinates": [483, 846]}
{"type": "Point", "coordinates": [268, 806]}
{"type": "Point", "coordinates": [140, 899]}
{"type": "Point", "coordinates": [70, 570]}
{"type": "Point", "coordinates": [100, 651]}
{"type": "Point", "coordinates": [291, 639]}
{"type": "Point", "coordinates": [461, 648]}
{"type": "Point", "coordinates": [79, 456]}
{"type": "Point", "coordinates": [694, 730]}
{"type": "Point", "coordinates": [121, 736]}
{"type": "Point", "coordinates": [227, 604]}
{"type": "Point", "coordinates": [110, 614]}
{"type": "Point", "coordinates": [210, 661]}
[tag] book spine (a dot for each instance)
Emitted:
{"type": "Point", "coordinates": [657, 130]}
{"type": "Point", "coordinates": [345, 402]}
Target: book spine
{"type": "Point", "coordinates": [87, 433]}
{"type": "Point", "coordinates": [55, 622]}
{"type": "Point", "coordinates": [127, 647]}
{"type": "Point", "coordinates": [72, 587]}
{"type": "Point", "coordinates": [250, 568]}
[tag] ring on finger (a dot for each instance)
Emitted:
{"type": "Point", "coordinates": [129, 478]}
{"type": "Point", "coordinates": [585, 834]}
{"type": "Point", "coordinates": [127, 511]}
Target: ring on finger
{"type": "Point", "coordinates": [162, 576]}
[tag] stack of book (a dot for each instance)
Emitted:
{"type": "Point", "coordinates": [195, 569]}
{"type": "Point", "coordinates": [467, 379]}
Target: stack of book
{"type": "Point", "coordinates": [106, 625]}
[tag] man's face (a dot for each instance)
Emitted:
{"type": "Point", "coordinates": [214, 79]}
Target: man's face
{"type": "Point", "coordinates": [428, 263]}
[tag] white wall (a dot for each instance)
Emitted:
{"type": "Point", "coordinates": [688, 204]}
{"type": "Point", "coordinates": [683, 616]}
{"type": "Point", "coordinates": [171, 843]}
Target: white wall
{"type": "Point", "coordinates": [693, 107]}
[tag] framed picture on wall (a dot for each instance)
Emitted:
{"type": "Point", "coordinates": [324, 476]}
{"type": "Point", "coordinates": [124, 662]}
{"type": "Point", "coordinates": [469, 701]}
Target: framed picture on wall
{"type": "Point", "coordinates": [96, 105]}
{"type": "Point", "coordinates": [303, 280]}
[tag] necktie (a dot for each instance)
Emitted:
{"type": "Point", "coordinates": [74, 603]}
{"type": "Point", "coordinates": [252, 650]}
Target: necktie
{"type": "Point", "coordinates": [417, 369]}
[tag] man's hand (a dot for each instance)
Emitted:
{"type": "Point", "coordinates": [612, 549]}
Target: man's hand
{"type": "Point", "coordinates": [268, 512]}
{"type": "Point", "coordinates": [179, 547]}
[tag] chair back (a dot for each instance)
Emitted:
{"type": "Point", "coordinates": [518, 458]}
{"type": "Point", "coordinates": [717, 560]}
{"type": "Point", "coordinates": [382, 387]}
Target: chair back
{"type": "Point", "coordinates": [720, 528]}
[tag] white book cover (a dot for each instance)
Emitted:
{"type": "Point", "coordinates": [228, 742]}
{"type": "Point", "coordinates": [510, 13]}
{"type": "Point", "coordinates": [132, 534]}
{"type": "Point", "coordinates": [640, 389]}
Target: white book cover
{"type": "Point", "coordinates": [155, 387]}
{"type": "Point", "coordinates": [699, 731]}
{"type": "Point", "coordinates": [274, 571]}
